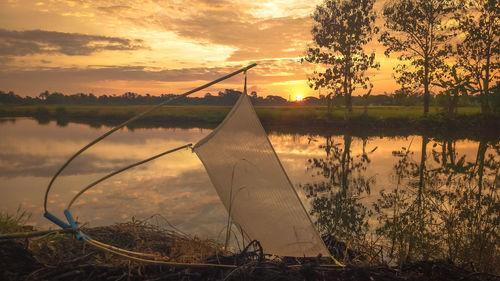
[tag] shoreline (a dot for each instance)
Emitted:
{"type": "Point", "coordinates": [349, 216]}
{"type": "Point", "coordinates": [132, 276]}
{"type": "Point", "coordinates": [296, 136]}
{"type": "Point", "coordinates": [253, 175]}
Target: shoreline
{"type": "Point", "coordinates": [376, 121]}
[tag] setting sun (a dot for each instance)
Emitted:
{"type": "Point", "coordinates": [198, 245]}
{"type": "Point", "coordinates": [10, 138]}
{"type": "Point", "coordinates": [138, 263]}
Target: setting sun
{"type": "Point", "coordinates": [299, 98]}
{"type": "Point", "coordinates": [116, 51]}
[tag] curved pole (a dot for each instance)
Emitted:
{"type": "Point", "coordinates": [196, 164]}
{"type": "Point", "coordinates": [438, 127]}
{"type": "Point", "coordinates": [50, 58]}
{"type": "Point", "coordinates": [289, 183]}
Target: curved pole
{"type": "Point", "coordinates": [121, 170]}
{"type": "Point", "coordinates": [130, 121]}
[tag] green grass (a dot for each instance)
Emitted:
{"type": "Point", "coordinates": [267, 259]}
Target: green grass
{"type": "Point", "coordinates": [381, 112]}
{"type": "Point", "coordinates": [216, 113]}
{"type": "Point", "coordinates": [409, 119]}
{"type": "Point", "coordinates": [207, 113]}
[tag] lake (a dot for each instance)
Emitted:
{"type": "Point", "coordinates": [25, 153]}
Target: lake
{"type": "Point", "coordinates": [376, 189]}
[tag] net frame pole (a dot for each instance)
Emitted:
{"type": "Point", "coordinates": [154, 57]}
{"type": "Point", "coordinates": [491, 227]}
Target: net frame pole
{"type": "Point", "coordinates": [244, 69]}
{"type": "Point", "coordinates": [123, 170]}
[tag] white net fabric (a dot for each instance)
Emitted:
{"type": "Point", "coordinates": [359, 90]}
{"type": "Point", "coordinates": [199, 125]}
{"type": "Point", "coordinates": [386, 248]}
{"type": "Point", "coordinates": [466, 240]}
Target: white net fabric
{"type": "Point", "coordinates": [254, 187]}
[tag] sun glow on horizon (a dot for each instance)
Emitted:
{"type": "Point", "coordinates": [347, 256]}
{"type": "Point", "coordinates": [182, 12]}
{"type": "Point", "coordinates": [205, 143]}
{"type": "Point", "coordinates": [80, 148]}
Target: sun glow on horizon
{"type": "Point", "coordinates": [151, 47]}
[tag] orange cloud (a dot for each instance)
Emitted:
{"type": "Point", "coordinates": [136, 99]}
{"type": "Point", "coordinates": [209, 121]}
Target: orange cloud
{"type": "Point", "coordinates": [150, 46]}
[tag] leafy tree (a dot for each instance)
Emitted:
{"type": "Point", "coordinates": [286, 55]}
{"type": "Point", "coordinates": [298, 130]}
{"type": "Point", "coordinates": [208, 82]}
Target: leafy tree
{"type": "Point", "coordinates": [10, 98]}
{"type": "Point", "coordinates": [44, 95]}
{"type": "Point", "coordinates": [275, 100]}
{"type": "Point", "coordinates": [415, 29]}
{"type": "Point", "coordinates": [365, 101]}
{"type": "Point", "coordinates": [479, 52]}
{"type": "Point", "coordinates": [454, 86]}
{"type": "Point", "coordinates": [341, 30]}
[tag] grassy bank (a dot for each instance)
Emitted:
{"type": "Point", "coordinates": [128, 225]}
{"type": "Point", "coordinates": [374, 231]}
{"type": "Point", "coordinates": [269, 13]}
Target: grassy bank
{"type": "Point", "coordinates": [62, 257]}
{"type": "Point", "coordinates": [376, 118]}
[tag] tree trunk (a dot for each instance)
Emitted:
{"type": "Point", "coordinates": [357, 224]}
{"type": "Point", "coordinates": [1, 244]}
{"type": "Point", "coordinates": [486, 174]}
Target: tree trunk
{"type": "Point", "coordinates": [346, 161]}
{"type": "Point", "coordinates": [485, 107]}
{"type": "Point", "coordinates": [453, 106]}
{"type": "Point", "coordinates": [421, 180]}
{"type": "Point", "coordinates": [444, 155]}
{"type": "Point", "coordinates": [348, 102]}
{"type": "Point", "coordinates": [419, 223]}
{"type": "Point", "coordinates": [481, 152]}
{"type": "Point", "coordinates": [426, 86]}
{"type": "Point", "coordinates": [480, 158]}
{"type": "Point", "coordinates": [451, 152]}
{"type": "Point", "coordinates": [347, 86]}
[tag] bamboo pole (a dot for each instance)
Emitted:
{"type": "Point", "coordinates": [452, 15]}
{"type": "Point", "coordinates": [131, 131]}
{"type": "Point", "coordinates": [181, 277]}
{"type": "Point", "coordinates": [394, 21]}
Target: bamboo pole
{"type": "Point", "coordinates": [133, 119]}
{"type": "Point", "coordinates": [30, 234]}
{"type": "Point", "coordinates": [122, 170]}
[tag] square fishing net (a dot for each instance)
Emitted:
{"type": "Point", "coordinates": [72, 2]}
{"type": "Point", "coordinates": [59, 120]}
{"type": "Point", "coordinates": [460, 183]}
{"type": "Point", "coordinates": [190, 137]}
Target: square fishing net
{"type": "Point", "coordinates": [254, 187]}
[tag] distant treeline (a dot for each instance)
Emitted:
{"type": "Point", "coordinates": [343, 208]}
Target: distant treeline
{"type": "Point", "coordinates": [227, 97]}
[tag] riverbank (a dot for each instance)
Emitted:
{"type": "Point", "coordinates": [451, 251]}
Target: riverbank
{"type": "Point", "coordinates": [61, 257]}
{"type": "Point", "coordinates": [375, 120]}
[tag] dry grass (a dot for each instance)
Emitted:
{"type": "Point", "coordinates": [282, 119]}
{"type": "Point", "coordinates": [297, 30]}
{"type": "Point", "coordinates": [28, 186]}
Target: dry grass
{"type": "Point", "coordinates": [61, 257]}
{"type": "Point", "coordinates": [138, 236]}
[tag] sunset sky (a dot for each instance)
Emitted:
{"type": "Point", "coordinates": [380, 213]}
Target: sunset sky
{"type": "Point", "coordinates": [153, 46]}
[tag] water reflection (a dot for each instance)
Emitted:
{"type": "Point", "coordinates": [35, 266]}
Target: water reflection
{"type": "Point", "coordinates": [175, 186]}
{"type": "Point", "coordinates": [335, 199]}
{"type": "Point", "coordinates": [441, 200]}
{"type": "Point", "coordinates": [454, 214]}
{"type": "Point", "coordinates": [442, 203]}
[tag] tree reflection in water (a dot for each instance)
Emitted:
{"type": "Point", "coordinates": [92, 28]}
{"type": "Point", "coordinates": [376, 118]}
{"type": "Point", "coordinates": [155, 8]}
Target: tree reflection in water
{"type": "Point", "coordinates": [447, 212]}
{"type": "Point", "coordinates": [405, 213]}
{"type": "Point", "coordinates": [440, 205]}
{"type": "Point", "coordinates": [335, 198]}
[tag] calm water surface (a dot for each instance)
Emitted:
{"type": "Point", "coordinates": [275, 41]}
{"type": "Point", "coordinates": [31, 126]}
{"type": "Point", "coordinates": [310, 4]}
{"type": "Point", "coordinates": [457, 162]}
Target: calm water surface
{"type": "Point", "coordinates": [351, 171]}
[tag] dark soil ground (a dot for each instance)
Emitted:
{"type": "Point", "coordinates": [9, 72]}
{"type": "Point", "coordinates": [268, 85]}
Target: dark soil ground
{"type": "Point", "coordinates": [61, 257]}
